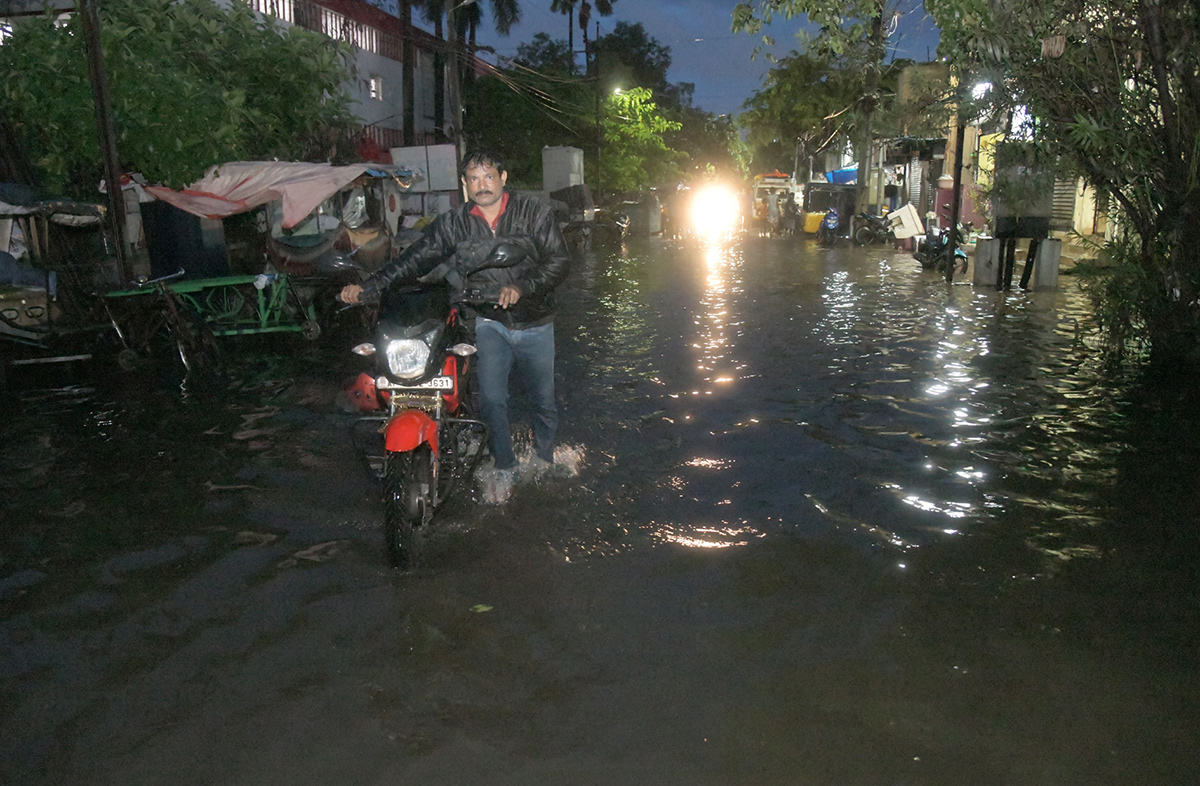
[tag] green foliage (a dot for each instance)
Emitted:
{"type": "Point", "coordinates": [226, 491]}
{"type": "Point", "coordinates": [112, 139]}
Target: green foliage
{"type": "Point", "coordinates": [801, 108]}
{"type": "Point", "coordinates": [713, 144]}
{"type": "Point", "coordinates": [848, 29]}
{"type": "Point", "coordinates": [810, 103]}
{"type": "Point", "coordinates": [630, 57]}
{"type": "Point", "coordinates": [852, 34]}
{"type": "Point", "coordinates": [1127, 295]}
{"type": "Point", "coordinates": [543, 101]}
{"type": "Point", "coordinates": [191, 85]}
{"type": "Point", "coordinates": [551, 56]}
{"type": "Point", "coordinates": [635, 155]}
{"type": "Point", "coordinates": [1119, 106]}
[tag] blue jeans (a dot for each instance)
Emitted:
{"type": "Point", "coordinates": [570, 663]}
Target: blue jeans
{"type": "Point", "coordinates": [532, 352]}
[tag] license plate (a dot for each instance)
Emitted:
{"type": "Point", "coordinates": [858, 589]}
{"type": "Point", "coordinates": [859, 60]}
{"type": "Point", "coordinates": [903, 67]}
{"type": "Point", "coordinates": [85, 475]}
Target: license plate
{"type": "Point", "coordinates": [437, 383]}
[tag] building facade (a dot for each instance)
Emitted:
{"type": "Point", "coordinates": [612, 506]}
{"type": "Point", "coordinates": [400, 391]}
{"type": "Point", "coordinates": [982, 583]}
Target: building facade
{"type": "Point", "coordinates": [378, 37]}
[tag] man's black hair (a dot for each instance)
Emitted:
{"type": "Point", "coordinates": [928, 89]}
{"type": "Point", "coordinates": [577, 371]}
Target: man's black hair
{"type": "Point", "coordinates": [481, 157]}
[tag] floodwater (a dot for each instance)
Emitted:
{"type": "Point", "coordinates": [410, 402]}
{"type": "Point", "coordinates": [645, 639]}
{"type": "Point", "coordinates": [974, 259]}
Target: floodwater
{"type": "Point", "coordinates": [832, 522]}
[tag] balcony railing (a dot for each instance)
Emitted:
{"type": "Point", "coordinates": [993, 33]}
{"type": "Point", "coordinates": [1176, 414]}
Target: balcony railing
{"type": "Point", "coordinates": [332, 24]}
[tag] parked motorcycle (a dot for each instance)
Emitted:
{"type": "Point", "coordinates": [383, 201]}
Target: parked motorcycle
{"type": "Point", "coordinates": [423, 416]}
{"type": "Point", "coordinates": [827, 232]}
{"type": "Point", "coordinates": [872, 229]}
{"type": "Point", "coordinates": [931, 251]}
{"type": "Point", "coordinates": [608, 227]}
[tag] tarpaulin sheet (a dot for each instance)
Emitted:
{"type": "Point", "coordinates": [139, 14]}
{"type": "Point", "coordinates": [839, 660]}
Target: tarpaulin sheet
{"type": "Point", "coordinates": [229, 189]}
{"type": "Point", "coordinates": [845, 176]}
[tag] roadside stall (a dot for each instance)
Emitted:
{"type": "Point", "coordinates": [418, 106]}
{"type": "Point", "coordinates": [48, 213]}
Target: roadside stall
{"type": "Point", "coordinates": [315, 228]}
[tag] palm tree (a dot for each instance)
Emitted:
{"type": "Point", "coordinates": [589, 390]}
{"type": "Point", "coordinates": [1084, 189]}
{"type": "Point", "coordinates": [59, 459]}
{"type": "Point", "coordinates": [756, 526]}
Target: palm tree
{"type": "Point", "coordinates": [433, 12]}
{"type": "Point", "coordinates": [463, 16]}
{"type": "Point", "coordinates": [603, 8]}
{"type": "Point", "coordinates": [505, 14]}
{"type": "Point", "coordinates": [567, 8]}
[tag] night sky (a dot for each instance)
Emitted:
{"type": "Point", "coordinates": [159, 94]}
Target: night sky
{"type": "Point", "coordinates": [703, 50]}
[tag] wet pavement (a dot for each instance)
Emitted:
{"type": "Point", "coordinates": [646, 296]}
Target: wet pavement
{"type": "Point", "coordinates": [833, 522]}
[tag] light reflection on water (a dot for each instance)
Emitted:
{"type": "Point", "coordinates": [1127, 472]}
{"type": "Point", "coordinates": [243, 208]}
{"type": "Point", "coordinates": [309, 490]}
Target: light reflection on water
{"type": "Point", "coordinates": [722, 394]}
{"type": "Point", "coordinates": [845, 391]}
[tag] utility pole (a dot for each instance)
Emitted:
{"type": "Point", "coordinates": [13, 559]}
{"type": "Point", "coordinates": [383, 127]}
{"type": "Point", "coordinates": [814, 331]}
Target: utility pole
{"type": "Point", "coordinates": [454, 126]}
{"type": "Point", "coordinates": [90, 18]}
{"type": "Point", "coordinates": [408, 55]}
{"type": "Point", "coordinates": [960, 136]}
{"type": "Point", "coordinates": [599, 122]}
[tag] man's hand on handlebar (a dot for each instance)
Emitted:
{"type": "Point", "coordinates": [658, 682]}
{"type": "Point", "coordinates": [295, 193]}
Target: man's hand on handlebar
{"type": "Point", "coordinates": [508, 296]}
{"type": "Point", "coordinates": [351, 293]}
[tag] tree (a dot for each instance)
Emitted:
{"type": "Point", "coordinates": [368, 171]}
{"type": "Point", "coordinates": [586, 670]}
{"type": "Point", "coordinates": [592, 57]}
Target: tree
{"type": "Point", "coordinates": [505, 14]}
{"type": "Point", "coordinates": [855, 32]}
{"type": "Point", "coordinates": [713, 144]}
{"type": "Point", "coordinates": [800, 112]}
{"type": "Point", "coordinates": [552, 56]}
{"type": "Point", "coordinates": [567, 9]}
{"type": "Point", "coordinates": [604, 8]}
{"type": "Point", "coordinates": [1112, 89]}
{"type": "Point", "coordinates": [186, 90]}
{"type": "Point", "coordinates": [629, 57]}
{"type": "Point", "coordinates": [543, 100]}
{"type": "Point", "coordinates": [635, 155]}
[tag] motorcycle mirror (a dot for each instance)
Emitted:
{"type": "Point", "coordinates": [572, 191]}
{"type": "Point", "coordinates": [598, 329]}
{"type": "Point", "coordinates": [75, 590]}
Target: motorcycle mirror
{"type": "Point", "coordinates": [505, 254]}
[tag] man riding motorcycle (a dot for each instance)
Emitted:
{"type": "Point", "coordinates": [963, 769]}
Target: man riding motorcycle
{"type": "Point", "coordinates": [512, 307]}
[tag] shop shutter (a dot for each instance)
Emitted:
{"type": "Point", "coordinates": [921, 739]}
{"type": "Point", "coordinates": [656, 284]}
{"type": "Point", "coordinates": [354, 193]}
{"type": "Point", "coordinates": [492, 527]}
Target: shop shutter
{"type": "Point", "coordinates": [1062, 216]}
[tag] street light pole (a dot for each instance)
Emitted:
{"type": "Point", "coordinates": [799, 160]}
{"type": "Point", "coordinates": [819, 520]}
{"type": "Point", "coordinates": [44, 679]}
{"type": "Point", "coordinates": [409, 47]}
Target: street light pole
{"type": "Point", "coordinates": [599, 122]}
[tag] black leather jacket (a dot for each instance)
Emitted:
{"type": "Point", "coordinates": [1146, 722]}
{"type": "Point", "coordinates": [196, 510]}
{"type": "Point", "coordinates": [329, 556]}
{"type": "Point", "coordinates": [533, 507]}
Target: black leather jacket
{"type": "Point", "coordinates": [462, 240]}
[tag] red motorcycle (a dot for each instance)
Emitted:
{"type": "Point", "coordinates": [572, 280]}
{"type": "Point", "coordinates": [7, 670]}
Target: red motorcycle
{"type": "Point", "coordinates": [419, 393]}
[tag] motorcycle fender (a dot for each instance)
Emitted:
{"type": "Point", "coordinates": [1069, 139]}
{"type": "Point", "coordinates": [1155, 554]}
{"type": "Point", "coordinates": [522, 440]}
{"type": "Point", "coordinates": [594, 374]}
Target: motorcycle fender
{"type": "Point", "coordinates": [408, 430]}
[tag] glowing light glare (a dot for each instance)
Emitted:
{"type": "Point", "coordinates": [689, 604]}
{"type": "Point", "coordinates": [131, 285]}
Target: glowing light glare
{"type": "Point", "coordinates": [722, 536]}
{"type": "Point", "coordinates": [709, 463]}
{"type": "Point", "coordinates": [713, 211]}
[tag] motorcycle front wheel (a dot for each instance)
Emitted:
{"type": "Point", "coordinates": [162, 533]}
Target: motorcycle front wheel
{"type": "Point", "coordinates": [407, 502]}
{"type": "Point", "coordinates": [864, 236]}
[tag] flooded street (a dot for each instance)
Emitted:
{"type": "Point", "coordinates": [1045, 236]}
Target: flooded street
{"type": "Point", "coordinates": [834, 522]}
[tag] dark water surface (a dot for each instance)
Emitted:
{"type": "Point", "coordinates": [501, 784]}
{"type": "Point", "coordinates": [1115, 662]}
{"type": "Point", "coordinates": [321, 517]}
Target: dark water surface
{"type": "Point", "coordinates": [834, 522]}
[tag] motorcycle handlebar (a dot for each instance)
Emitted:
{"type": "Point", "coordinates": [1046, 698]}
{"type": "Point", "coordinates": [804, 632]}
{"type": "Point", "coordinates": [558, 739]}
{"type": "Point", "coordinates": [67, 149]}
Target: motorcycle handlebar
{"type": "Point", "coordinates": [368, 298]}
{"type": "Point", "coordinates": [477, 302]}
{"type": "Point", "coordinates": [160, 280]}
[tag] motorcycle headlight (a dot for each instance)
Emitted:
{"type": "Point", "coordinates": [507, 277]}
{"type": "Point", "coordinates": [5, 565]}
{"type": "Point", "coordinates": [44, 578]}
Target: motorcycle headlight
{"type": "Point", "coordinates": [406, 357]}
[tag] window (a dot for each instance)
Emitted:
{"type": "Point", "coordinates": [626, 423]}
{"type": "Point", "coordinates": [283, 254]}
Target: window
{"type": "Point", "coordinates": [375, 87]}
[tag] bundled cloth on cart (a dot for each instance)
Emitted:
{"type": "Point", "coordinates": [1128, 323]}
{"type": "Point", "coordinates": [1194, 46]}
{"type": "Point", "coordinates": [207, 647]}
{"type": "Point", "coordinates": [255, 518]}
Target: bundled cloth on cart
{"type": "Point", "coordinates": [229, 189]}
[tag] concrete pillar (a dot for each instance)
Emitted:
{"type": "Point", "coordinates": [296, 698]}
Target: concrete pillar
{"type": "Point", "coordinates": [987, 262]}
{"type": "Point", "coordinates": [1045, 267]}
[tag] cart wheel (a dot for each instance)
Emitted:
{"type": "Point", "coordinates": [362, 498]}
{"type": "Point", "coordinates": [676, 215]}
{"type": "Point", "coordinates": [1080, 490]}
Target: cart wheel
{"type": "Point", "coordinates": [128, 359]}
{"type": "Point", "coordinates": [195, 343]}
{"type": "Point", "coordinates": [311, 330]}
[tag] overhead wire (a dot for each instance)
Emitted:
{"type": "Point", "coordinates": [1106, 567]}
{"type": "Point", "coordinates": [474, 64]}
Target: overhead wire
{"type": "Point", "coordinates": [552, 107]}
